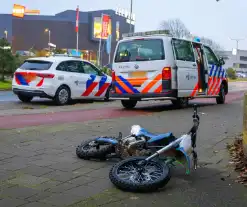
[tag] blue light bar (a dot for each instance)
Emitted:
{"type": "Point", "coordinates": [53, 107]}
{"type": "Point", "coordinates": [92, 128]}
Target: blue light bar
{"type": "Point", "coordinates": [197, 39]}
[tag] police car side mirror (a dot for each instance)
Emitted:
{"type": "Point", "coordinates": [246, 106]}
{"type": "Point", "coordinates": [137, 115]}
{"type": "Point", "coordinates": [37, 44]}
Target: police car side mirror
{"type": "Point", "coordinates": [221, 61]}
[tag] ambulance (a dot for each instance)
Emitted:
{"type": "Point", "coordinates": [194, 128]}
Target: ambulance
{"type": "Point", "coordinates": [154, 65]}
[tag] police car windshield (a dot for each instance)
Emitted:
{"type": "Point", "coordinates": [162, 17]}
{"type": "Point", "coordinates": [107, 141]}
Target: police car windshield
{"type": "Point", "coordinates": [36, 65]}
{"type": "Point", "coordinates": [140, 50]}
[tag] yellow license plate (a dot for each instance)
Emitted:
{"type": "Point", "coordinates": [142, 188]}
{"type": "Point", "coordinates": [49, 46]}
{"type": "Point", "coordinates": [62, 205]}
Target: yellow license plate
{"type": "Point", "coordinates": [138, 74]}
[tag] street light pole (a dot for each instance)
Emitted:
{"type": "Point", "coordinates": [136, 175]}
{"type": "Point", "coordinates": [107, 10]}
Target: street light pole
{"type": "Point", "coordinates": [237, 41]}
{"type": "Point", "coordinates": [49, 38]}
{"type": "Point", "coordinates": [131, 8]}
{"type": "Point", "coordinates": [6, 34]}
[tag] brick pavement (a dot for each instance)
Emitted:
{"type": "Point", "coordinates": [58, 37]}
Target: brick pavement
{"type": "Point", "coordinates": [39, 166]}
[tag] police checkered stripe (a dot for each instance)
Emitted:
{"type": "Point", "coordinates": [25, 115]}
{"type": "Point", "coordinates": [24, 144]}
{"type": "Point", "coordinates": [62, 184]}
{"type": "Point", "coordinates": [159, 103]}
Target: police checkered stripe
{"type": "Point", "coordinates": [215, 77]}
{"type": "Point", "coordinates": [149, 80]}
{"type": "Point", "coordinates": [96, 86]}
{"type": "Point", "coordinates": [217, 74]}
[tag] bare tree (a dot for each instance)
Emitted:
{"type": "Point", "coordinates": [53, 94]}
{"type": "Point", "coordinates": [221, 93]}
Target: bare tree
{"type": "Point", "coordinates": [176, 27]}
{"type": "Point", "coordinates": [179, 30]}
{"type": "Point", "coordinates": [212, 44]}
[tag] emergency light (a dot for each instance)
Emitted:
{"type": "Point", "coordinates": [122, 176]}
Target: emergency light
{"type": "Point", "coordinates": [147, 33]}
{"type": "Point", "coordinates": [66, 55]}
{"type": "Point", "coordinates": [197, 39]}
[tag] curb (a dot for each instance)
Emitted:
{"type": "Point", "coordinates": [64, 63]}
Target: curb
{"type": "Point", "coordinates": [5, 89]}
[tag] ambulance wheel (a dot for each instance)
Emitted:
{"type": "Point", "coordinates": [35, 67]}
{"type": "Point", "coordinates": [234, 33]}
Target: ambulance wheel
{"type": "Point", "coordinates": [180, 102]}
{"type": "Point", "coordinates": [62, 96]}
{"type": "Point", "coordinates": [25, 99]}
{"type": "Point", "coordinates": [222, 96]}
{"type": "Point", "coordinates": [129, 104]}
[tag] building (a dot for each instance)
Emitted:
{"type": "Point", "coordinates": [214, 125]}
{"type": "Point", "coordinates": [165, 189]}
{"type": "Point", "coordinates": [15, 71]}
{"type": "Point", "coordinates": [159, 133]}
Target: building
{"type": "Point", "coordinates": [238, 61]}
{"type": "Point", "coordinates": [34, 31]}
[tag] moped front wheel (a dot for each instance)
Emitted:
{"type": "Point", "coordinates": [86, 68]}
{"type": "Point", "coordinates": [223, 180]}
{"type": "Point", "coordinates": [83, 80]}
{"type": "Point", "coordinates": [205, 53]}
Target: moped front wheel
{"type": "Point", "coordinates": [90, 149]}
{"type": "Point", "coordinates": [137, 175]}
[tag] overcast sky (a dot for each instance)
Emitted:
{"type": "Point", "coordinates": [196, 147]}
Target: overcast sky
{"type": "Point", "coordinates": [216, 20]}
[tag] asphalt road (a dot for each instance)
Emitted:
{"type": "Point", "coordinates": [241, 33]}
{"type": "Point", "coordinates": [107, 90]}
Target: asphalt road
{"type": "Point", "coordinates": [38, 165]}
{"type": "Point", "coordinates": [8, 96]}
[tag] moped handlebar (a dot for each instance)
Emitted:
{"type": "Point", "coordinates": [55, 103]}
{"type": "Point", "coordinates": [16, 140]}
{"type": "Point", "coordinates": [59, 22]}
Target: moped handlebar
{"type": "Point", "coordinates": [195, 109]}
{"type": "Point", "coordinates": [196, 119]}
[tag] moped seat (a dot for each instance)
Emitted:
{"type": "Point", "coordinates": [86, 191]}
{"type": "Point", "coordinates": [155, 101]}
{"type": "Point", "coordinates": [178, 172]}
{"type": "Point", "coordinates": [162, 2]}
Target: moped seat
{"type": "Point", "coordinates": [155, 137]}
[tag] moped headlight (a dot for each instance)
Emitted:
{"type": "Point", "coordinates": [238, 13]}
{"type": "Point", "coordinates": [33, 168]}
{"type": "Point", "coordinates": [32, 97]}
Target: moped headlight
{"type": "Point", "coordinates": [135, 130]}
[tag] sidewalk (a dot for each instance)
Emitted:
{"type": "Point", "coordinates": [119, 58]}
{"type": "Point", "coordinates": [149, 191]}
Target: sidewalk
{"type": "Point", "coordinates": [39, 167]}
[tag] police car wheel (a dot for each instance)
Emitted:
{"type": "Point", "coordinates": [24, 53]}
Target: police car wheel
{"type": "Point", "coordinates": [62, 96]}
{"type": "Point", "coordinates": [129, 104]}
{"type": "Point", "coordinates": [180, 102]}
{"type": "Point", "coordinates": [222, 96]}
{"type": "Point", "coordinates": [25, 99]}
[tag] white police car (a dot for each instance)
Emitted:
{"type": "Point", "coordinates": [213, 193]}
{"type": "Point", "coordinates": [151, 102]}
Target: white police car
{"type": "Point", "coordinates": [60, 78]}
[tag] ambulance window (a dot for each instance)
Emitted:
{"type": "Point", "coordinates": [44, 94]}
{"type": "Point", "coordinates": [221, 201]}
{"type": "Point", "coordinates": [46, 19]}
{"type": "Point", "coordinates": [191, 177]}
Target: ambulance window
{"type": "Point", "coordinates": [212, 60]}
{"type": "Point", "coordinates": [140, 50]}
{"type": "Point", "coordinates": [183, 50]}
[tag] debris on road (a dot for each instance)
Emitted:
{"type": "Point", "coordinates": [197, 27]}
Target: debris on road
{"type": "Point", "coordinates": [239, 160]}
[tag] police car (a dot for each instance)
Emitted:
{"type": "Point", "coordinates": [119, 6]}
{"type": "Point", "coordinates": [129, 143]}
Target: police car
{"type": "Point", "coordinates": [60, 78]}
{"type": "Point", "coordinates": [154, 65]}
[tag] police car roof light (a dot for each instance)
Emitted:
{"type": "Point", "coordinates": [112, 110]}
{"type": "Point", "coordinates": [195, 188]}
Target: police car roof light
{"type": "Point", "coordinates": [66, 55]}
{"type": "Point", "coordinates": [147, 33]}
{"type": "Point", "coordinates": [197, 39]}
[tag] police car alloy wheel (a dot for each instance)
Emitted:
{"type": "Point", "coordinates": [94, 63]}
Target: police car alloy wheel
{"type": "Point", "coordinates": [62, 96]}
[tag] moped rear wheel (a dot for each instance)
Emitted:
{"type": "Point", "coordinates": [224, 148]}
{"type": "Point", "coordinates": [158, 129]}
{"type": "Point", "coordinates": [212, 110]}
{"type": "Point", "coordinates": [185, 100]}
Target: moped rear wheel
{"type": "Point", "coordinates": [137, 175]}
{"type": "Point", "coordinates": [90, 149]}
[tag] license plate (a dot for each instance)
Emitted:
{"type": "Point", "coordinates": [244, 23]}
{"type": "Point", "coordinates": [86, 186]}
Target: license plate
{"type": "Point", "coordinates": [138, 74]}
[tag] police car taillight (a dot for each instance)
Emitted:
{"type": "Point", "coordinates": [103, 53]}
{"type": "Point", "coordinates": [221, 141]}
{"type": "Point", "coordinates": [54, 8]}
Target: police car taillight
{"type": "Point", "coordinates": [166, 73]}
{"type": "Point", "coordinates": [113, 75]}
{"type": "Point", "coordinates": [45, 75]}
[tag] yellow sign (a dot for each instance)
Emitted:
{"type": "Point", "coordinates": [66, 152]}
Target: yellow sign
{"type": "Point", "coordinates": [97, 28]}
{"type": "Point", "coordinates": [20, 11]}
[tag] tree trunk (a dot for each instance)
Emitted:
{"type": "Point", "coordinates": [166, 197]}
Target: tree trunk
{"type": "Point", "coordinates": [2, 76]}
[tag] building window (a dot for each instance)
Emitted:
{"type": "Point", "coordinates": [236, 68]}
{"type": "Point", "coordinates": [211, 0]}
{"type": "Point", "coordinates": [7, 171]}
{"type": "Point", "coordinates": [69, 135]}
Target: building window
{"type": "Point", "coordinates": [225, 58]}
{"type": "Point", "coordinates": [243, 58]}
{"type": "Point", "coordinates": [237, 65]}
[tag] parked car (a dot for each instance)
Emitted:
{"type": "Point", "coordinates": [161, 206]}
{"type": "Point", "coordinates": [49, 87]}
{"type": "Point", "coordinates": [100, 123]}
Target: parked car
{"type": "Point", "coordinates": [241, 75]}
{"type": "Point", "coordinates": [60, 78]}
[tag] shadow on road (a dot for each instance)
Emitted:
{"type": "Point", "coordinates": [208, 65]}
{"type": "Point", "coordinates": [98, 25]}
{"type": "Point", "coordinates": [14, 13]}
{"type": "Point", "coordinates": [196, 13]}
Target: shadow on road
{"type": "Point", "coordinates": [204, 180]}
{"type": "Point", "coordinates": [164, 107]}
{"type": "Point", "coordinates": [47, 102]}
